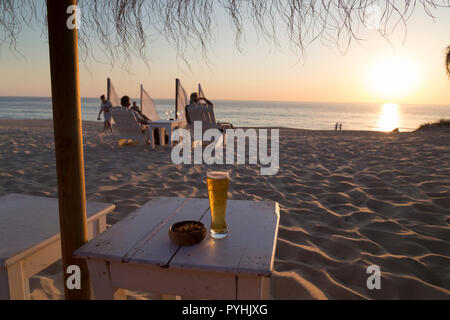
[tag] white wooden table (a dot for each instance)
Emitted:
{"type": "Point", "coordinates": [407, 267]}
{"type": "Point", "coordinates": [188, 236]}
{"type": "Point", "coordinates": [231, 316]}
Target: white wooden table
{"type": "Point", "coordinates": [164, 125]}
{"type": "Point", "coordinates": [137, 254]}
{"type": "Point", "coordinates": [30, 239]}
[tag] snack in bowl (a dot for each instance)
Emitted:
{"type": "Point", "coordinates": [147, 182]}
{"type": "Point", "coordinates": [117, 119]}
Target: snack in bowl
{"type": "Point", "coordinates": [187, 233]}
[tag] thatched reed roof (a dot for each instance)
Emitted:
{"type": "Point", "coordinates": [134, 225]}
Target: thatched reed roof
{"type": "Point", "coordinates": [123, 27]}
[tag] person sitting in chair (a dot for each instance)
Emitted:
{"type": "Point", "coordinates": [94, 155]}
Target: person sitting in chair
{"type": "Point", "coordinates": [195, 100]}
{"type": "Point", "coordinates": [125, 102]}
{"type": "Point", "coordinates": [136, 108]}
{"type": "Point", "coordinates": [141, 119]}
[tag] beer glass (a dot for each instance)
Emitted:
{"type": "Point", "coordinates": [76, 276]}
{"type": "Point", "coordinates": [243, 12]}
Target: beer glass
{"type": "Point", "coordinates": [218, 182]}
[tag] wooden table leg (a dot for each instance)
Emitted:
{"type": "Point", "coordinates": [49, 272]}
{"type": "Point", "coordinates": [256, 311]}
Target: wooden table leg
{"type": "Point", "coordinates": [170, 137]}
{"type": "Point", "coordinates": [96, 227]}
{"type": "Point", "coordinates": [180, 135]}
{"type": "Point", "coordinates": [152, 137]}
{"type": "Point", "coordinates": [101, 281]}
{"type": "Point", "coordinates": [101, 224]}
{"type": "Point", "coordinates": [265, 288]}
{"type": "Point", "coordinates": [162, 137]}
{"type": "Point", "coordinates": [252, 288]}
{"type": "Point", "coordinates": [14, 285]}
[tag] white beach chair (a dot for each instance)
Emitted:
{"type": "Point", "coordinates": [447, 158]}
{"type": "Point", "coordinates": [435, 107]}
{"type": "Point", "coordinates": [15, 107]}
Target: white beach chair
{"type": "Point", "coordinates": [128, 127]}
{"type": "Point", "coordinates": [212, 119]}
{"type": "Point", "coordinates": [205, 114]}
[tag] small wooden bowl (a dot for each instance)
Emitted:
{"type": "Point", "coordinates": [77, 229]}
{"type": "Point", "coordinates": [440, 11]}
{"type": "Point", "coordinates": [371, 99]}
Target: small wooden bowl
{"type": "Point", "coordinates": [186, 237]}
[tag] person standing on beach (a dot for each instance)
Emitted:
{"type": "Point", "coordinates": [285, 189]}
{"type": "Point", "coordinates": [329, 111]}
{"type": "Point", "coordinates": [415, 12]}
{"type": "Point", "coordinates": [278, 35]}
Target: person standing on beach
{"type": "Point", "coordinates": [106, 108]}
{"type": "Point", "coordinates": [340, 127]}
{"type": "Point", "coordinates": [336, 126]}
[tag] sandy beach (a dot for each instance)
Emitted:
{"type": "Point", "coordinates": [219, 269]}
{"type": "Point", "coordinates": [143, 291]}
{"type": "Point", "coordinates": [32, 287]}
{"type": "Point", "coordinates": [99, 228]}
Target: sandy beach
{"type": "Point", "coordinates": [348, 200]}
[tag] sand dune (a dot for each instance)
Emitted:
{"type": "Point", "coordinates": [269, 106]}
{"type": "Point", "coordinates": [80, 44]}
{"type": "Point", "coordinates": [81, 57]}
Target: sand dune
{"type": "Point", "coordinates": [348, 200]}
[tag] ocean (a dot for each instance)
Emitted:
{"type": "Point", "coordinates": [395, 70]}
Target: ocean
{"type": "Point", "coordinates": [302, 115]}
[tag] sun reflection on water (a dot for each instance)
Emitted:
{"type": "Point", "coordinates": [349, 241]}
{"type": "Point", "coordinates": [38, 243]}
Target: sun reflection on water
{"type": "Point", "coordinates": [389, 117]}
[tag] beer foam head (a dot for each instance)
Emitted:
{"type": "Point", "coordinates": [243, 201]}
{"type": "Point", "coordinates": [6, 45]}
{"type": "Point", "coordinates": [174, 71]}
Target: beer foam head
{"type": "Point", "coordinates": [218, 175]}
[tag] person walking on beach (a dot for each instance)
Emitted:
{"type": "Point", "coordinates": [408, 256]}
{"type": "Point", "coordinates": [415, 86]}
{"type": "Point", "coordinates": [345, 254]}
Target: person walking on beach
{"type": "Point", "coordinates": [340, 127]}
{"type": "Point", "coordinates": [336, 126]}
{"type": "Point", "coordinates": [106, 108]}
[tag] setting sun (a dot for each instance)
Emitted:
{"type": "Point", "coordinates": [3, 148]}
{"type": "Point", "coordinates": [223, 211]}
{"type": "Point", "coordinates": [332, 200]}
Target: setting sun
{"type": "Point", "coordinates": [389, 117]}
{"type": "Point", "coordinates": [393, 77]}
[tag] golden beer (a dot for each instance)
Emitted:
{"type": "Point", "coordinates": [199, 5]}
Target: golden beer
{"type": "Point", "coordinates": [218, 182]}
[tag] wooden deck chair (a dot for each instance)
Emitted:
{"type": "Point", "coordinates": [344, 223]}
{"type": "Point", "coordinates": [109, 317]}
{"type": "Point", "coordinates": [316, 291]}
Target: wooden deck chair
{"type": "Point", "coordinates": [128, 127]}
{"type": "Point", "coordinates": [211, 117]}
{"type": "Point", "coordinates": [205, 114]}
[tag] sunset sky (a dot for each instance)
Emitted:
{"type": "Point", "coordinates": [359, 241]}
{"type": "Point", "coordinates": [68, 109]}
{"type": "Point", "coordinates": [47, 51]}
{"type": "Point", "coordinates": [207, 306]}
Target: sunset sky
{"type": "Point", "coordinates": [371, 70]}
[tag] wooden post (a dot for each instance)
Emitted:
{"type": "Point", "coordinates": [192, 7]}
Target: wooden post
{"type": "Point", "coordinates": [108, 89]}
{"type": "Point", "coordinates": [141, 98]}
{"type": "Point", "coordinates": [63, 47]}
{"type": "Point", "coordinates": [177, 81]}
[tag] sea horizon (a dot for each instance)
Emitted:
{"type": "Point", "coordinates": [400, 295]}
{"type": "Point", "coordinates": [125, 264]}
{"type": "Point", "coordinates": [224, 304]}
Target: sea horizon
{"type": "Point", "coordinates": [255, 100]}
{"type": "Point", "coordinates": [312, 115]}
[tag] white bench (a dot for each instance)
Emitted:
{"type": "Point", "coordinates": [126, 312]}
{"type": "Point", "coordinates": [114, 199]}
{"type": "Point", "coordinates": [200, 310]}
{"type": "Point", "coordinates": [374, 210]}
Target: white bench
{"type": "Point", "coordinates": [137, 254]}
{"type": "Point", "coordinates": [30, 239]}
